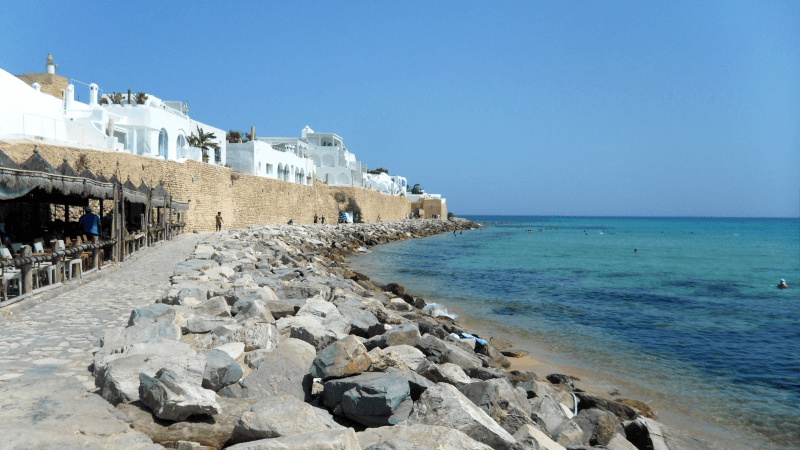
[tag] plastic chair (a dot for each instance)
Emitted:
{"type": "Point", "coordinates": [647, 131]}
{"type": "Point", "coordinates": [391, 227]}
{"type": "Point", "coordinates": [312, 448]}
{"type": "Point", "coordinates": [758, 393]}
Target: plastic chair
{"type": "Point", "coordinates": [71, 264]}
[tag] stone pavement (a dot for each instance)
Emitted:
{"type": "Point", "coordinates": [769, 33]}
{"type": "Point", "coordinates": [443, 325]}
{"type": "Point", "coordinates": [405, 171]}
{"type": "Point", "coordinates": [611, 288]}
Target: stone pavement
{"type": "Point", "coordinates": [47, 397]}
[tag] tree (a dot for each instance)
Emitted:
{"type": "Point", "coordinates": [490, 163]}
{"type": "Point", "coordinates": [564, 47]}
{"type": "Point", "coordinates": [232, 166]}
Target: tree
{"type": "Point", "coordinates": [115, 97]}
{"type": "Point", "coordinates": [378, 171]}
{"type": "Point", "coordinates": [450, 215]}
{"type": "Point", "coordinates": [140, 98]}
{"type": "Point", "coordinates": [203, 141]}
{"type": "Point", "coordinates": [417, 189]}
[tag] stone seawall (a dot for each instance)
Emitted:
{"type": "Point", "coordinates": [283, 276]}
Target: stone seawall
{"type": "Point", "coordinates": [244, 200]}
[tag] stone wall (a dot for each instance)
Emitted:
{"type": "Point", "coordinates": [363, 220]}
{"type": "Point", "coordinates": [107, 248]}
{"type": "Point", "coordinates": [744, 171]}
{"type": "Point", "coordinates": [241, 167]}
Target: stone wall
{"type": "Point", "coordinates": [243, 199]}
{"type": "Point", "coordinates": [50, 83]}
{"type": "Point", "coordinates": [427, 208]}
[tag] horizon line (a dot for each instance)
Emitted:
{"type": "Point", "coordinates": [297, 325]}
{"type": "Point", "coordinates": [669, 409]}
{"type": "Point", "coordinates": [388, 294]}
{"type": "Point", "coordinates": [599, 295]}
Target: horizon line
{"type": "Point", "coordinates": [636, 217]}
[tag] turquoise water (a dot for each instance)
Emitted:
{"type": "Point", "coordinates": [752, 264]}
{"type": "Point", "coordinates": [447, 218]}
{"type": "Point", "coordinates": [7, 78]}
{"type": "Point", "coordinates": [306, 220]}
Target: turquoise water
{"type": "Point", "coordinates": [694, 314]}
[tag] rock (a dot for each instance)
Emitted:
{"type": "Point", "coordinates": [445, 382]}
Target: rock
{"type": "Point", "coordinates": [500, 343]}
{"type": "Point", "coordinates": [642, 408]}
{"type": "Point", "coordinates": [598, 426]}
{"type": "Point", "coordinates": [219, 272]}
{"type": "Point", "coordinates": [216, 306]}
{"type": "Point", "coordinates": [418, 436]}
{"type": "Point", "coordinates": [255, 312]}
{"type": "Point", "coordinates": [443, 373]}
{"type": "Point", "coordinates": [221, 370]}
{"type": "Point", "coordinates": [440, 351]}
{"type": "Point", "coordinates": [118, 379]}
{"type": "Point", "coordinates": [557, 378]}
{"type": "Point", "coordinates": [548, 413]}
{"type": "Point", "coordinates": [233, 349]}
{"type": "Point", "coordinates": [184, 291]}
{"type": "Point", "coordinates": [568, 434]}
{"type": "Point", "coordinates": [204, 251]}
{"type": "Point", "coordinates": [371, 399]}
{"type": "Point", "coordinates": [586, 401]}
{"type": "Point", "coordinates": [394, 288]}
{"type": "Point", "coordinates": [514, 353]}
{"type": "Point", "coordinates": [408, 354]}
{"type": "Point", "coordinates": [420, 303]}
{"type": "Point", "coordinates": [444, 405]}
{"type": "Point", "coordinates": [404, 334]}
{"type": "Point", "coordinates": [148, 313]}
{"type": "Point", "coordinates": [254, 336]}
{"type": "Point", "coordinates": [338, 439]}
{"type": "Point", "coordinates": [382, 361]}
{"type": "Point", "coordinates": [171, 399]}
{"type": "Point", "coordinates": [283, 308]}
{"type": "Point", "coordinates": [343, 358]}
{"type": "Point", "coordinates": [205, 323]}
{"type": "Point", "coordinates": [277, 417]}
{"type": "Point", "coordinates": [398, 304]}
{"type": "Point", "coordinates": [164, 327]}
{"type": "Point", "coordinates": [487, 373]}
{"type": "Point", "coordinates": [645, 434]}
{"type": "Point", "coordinates": [531, 438]}
{"type": "Point", "coordinates": [618, 442]}
{"type": "Point", "coordinates": [163, 349]}
{"type": "Point", "coordinates": [314, 334]}
{"type": "Point", "coordinates": [240, 303]}
{"type": "Point", "coordinates": [499, 399]}
{"type": "Point", "coordinates": [283, 371]}
{"type": "Point", "coordinates": [494, 354]}
{"type": "Point", "coordinates": [301, 349]}
{"type": "Point", "coordinates": [362, 323]}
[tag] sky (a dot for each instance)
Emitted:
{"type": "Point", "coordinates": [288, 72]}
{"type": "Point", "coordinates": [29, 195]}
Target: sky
{"type": "Point", "coordinates": [607, 108]}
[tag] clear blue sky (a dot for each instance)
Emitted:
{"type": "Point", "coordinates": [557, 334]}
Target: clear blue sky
{"type": "Point", "coordinates": [564, 108]}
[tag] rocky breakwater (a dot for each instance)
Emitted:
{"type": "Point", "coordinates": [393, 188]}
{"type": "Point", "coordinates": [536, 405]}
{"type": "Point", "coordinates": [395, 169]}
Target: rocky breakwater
{"type": "Point", "coordinates": [266, 341]}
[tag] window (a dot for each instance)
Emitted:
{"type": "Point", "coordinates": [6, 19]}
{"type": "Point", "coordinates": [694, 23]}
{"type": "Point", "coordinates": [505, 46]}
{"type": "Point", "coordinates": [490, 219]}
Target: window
{"type": "Point", "coordinates": [162, 143]}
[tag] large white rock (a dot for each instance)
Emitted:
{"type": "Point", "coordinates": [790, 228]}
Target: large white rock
{"type": "Point", "coordinates": [338, 439]}
{"type": "Point", "coordinates": [444, 405]}
{"type": "Point", "coordinates": [419, 436]}
{"type": "Point", "coordinates": [170, 398]}
{"type": "Point", "coordinates": [118, 380]}
{"type": "Point", "coordinates": [256, 336]}
{"type": "Point", "coordinates": [277, 417]}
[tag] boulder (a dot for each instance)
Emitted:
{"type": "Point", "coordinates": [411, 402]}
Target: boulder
{"type": "Point", "coordinates": [558, 378]}
{"type": "Point", "coordinates": [494, 354]}
{"type": "Point", "coordinates": [234, 349]}
{"type": "Point", "coordinates": [221, 370]}
{"type": "Point", "coordinates": [283, 308]}
{"type": "Point", "coordinates": [255, 312]}
{"type": "Point", "coordinates": [587, 401]}
{"type": "Point", "coordinates": [398, 304]}
{"type": "Point", "coordinates": [362, 323]}
{"type": "Point", "coordinates": [215, 306]}
{"type": "Point", "coordinates": [163, 349]}
{"type": "Point", "coordinates": [149, 313]}
{"type": "Point", "coordinates": [443, 373]}
{"type": "Point", "coordinates": [342, 358]}
{"type": "Point", "coordinates": [440, 351]}
{"type": "Point", "coordinates": [219, 272]}
{"type": "Point", "coordinates": [210, 433]}
{"type": "Point", "coordinates": [444, 405]}
{"type": "Point", "coordinates": [598, 426]}
{"type": "Point", "coordinates": [182, 293]}
{"type": "Point", "coordinates": [316, 335]}
{"type": "Point", "coordinates": [172, 399]}
{"type": "Point", "coordinates": [204, 252]}
{"type": "Point", "coordinates": [406, 353]}
{"type": "Point", "coordinates": [371, 399]}
{"type": "Point", "coordinates": [403, 334]}
{"type": "Point", "coordinates": [568, 434]}
{"type": "Point", "coordinates": [487, 373]}
{"type": "Point", "coordinates": [618, 442]}
{"type": "Point", "coordinates": [254, 336]}
{"type": "Point", "coordinates": [277, 417]}
{"type": "Point", "coordinates": [165, 327]}
{"type": "Point", "coordinates": [206, 323]}
{"type": "Point", "coordinates": [338, 439]}
{"type": "Point", "coordinates": [642, 408]}
{"type": "Point", "coordinates": [531, 438]}
{"type": "Point", "coordinates": [645, 434]}
{"type": "Point", "coordinates": [394, 288]}
{"type": "Point", "coordinates": [548, 413]}
{"type": "Point", "coordinates": [118, 379]}
{"type": "Point", "coordinates": [283, 371]}
{"type": "Point", "coordinates": [418, 436]}
{"type": "Point", "coordinates": [499, 399]}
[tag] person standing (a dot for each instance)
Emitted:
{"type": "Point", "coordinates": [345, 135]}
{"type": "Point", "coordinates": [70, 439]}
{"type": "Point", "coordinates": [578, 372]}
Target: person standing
{"type": "Point", "coordinates": [323, 220]}
{"type": "Point", "coordinates": [316, 218]}
{"type": "Point", "coordinates": [219, 220]}
{"type": "Point", "coordinates": [90, 222]}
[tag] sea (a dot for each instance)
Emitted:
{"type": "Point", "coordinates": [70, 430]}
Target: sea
{"type": "Point", "coordinates": [687, 309]}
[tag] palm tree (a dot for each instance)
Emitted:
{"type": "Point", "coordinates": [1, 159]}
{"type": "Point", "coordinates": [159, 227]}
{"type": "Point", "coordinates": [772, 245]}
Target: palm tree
{"type": "Point", "coordinates": [140, 98]}
{"type": "Point", "coordinates": [116, 98]}
{"type": "Point", "coordinates": [203, 142]}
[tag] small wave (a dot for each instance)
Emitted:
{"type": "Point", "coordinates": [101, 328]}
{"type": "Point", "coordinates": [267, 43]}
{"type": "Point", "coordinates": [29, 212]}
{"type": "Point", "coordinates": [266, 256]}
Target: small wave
{"type": "Point", "coordinates": [436, 309]}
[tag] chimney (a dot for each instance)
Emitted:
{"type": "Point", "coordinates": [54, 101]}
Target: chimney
{"type": "Point", "coordinates": [70, 97]}
{"type": "Point", "coordinates": [92, 94]}
{"type": "Point", "coordinates": [252, 133]}
{"type": "Point", "coordinates": [50, 67]}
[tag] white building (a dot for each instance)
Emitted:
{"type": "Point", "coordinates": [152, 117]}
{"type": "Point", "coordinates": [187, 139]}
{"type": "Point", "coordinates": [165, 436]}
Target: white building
{"type": "Point", "coordinates": [335, 165]}
{"type": "Point", "coordinates": [156, 128]}
{"type": "Point", "coordinates": [280, 162]}
{"type": "Point", "coordinates": [384, 183]}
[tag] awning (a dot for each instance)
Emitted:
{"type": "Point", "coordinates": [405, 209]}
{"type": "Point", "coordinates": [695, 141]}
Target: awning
{"type": "Point", "coordinates": [16, 183]}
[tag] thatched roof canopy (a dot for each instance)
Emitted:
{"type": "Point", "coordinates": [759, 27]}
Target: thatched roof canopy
{"type": "Point", "coordinates": [143, 188]}
{"type": "Point", "coordinates": [88, 174]}
{"type": "Point", "coordinates": [16, 183]}
{"type": "Point", "coordinates": [180, 206]}
{"type": "Point", "coordinates": [159, 191]}
{"type": "Point", "coordinates": [7, 162]}
{"type": "Point", "coordinates": [101, 177]}
{"type": "Point", "coordinates": [66, 169]}
{"type": "Point", "coordinates": [113, 179]}
{"type": "Point", "coordinates": [129, 185]}
{"type": "Point", "coordinates": [38, 164]}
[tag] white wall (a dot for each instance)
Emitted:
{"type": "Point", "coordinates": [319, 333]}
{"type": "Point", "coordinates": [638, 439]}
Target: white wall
{"type": "Point", "coordinates": [25, 112]}
{"type": "Point", "coordinates": [259, 158]}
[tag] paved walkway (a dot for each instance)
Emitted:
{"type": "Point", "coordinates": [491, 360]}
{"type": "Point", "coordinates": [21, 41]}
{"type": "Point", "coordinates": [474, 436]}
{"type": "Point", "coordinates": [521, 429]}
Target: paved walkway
{"type": "Point", "coordinates": [46, 388]}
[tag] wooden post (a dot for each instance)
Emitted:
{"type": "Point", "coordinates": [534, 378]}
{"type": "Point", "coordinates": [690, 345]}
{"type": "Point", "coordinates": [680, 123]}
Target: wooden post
{"type": "Point", "coordinates": [95, 253]}
{"type": "Point", "coordinates": [122, 227]}
{"type": "Point", "coordinates": [27, 270]}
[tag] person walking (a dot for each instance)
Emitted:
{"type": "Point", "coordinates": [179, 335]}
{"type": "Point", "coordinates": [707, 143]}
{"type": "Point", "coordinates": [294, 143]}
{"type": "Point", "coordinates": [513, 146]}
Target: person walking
{"type": "Point", "coordinates": [316, 218]}
{"type": "Point", "coordinates": [219, 220]}
{"type": "Point", "coordinates": [323, 220]}
{"type": "Point", "coordinates": [90, 222]}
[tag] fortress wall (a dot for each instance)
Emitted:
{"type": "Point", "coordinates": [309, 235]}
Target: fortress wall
{"type": "Point", "coordinates": [243, 199]}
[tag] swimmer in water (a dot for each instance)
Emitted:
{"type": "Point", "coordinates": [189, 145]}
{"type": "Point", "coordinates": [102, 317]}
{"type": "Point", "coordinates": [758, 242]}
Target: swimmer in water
{"type": "Point", "coordinates": [636, 250]}
{"type": "Point", "coordinates": [783, 285]}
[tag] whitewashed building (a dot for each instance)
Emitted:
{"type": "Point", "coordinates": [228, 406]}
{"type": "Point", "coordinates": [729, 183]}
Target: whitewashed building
{"type": "Point", "coordinates": [280, 162]}
{"type": "Point", "coordinates": [156, 128]}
